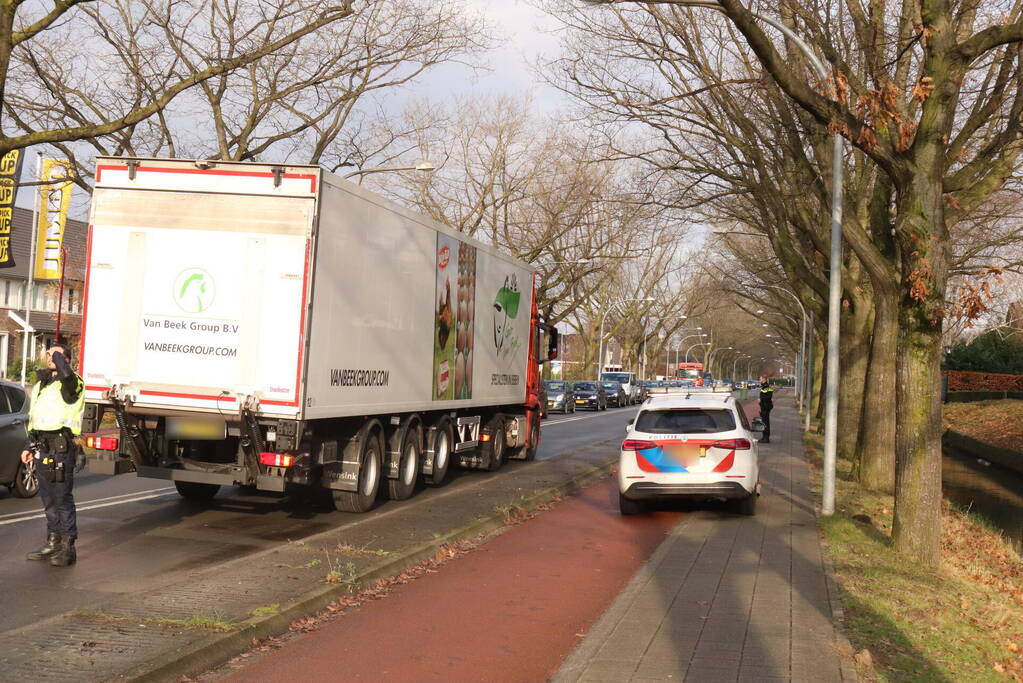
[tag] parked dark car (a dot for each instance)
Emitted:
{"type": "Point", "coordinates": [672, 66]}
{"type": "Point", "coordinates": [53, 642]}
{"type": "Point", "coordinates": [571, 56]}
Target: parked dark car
{"type": "Point", "coordinates": [652, 387]}
{"type": "Point", "coordinates": [560, 398]}
{"type": "Point", "coordinates": [589, 395]}
{"type": "Point", "coordinates": [18, 477]}
{"type": "Point", "coordinates": [616, 395]}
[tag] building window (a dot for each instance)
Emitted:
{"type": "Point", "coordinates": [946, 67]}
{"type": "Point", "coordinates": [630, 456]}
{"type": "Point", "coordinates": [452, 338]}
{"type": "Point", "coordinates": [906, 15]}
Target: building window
{"type": "Point", "coordinates": [7, 292]}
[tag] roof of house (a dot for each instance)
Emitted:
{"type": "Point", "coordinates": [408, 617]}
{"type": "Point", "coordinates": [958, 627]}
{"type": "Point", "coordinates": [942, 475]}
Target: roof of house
{"type": "Point", "coordinates": [70, 323]}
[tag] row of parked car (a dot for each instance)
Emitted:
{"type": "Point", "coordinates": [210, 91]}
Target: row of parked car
{"type": "Point", "coordinates": [567, 397]}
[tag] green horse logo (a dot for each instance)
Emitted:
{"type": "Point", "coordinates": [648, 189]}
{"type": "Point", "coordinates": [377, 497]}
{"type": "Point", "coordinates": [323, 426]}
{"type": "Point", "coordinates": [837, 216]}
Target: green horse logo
{"type": "Point", "coordinates": [506, 309]}
{"type": "Point", "coordinates": [194, 290]}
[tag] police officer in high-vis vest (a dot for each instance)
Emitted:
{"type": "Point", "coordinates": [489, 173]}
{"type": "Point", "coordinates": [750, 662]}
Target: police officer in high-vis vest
{"type": "Point", "coordinates": [54, 423]}
{"type": "Point", "coordinates": [766, 406]}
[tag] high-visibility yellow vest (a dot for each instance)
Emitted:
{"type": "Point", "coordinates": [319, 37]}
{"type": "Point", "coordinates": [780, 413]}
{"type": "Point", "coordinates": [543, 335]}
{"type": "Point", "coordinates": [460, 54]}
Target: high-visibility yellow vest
{"type": "Point", "coordinates": [49, 412]}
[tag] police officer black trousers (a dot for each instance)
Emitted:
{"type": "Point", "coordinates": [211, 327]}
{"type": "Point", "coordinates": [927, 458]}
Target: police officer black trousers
{"type": "Point", "coordinates": [59, 505]}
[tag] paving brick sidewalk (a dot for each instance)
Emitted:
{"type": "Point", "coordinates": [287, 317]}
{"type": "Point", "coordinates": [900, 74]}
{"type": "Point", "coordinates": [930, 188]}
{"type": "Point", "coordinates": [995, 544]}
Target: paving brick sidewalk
{"type": "Point", "coordinates": [729, 598]}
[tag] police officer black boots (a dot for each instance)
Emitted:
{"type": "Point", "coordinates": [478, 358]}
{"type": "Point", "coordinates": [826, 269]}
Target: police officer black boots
{"type": "Point", "coordinates": [52, 544]}
{"type": "Point", "coordinates": [65, 555]}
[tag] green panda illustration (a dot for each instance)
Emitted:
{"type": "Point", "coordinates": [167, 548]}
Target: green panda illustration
{"type": "Point", "coordinates": [506, 309]}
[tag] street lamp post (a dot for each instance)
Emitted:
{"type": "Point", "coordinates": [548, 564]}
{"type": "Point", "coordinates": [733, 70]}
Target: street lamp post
{"type": "Point", "coordinates": [713, 354]}
{"type": "Point", "coordinates": [802, 342]}
{"type": "Point", "coordinates": [682, 343]}
{"type": "Point", "coordinates": [424, 166]}
{"type": "Point", "coordinates": [835, 270]}
{"type": "Point", "coordinates": [600, 346]}
{"type": "Point", "coordinates": [693, 347]}
{"type": "Point", "coordinates": [735, 362]}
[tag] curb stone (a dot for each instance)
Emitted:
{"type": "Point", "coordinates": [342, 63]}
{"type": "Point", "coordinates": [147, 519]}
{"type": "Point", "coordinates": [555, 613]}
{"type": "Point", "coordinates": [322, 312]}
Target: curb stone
{"type": "Point", "coordinates": [215, 649]}
{"type": "Point", "coordinates": [842, 643]}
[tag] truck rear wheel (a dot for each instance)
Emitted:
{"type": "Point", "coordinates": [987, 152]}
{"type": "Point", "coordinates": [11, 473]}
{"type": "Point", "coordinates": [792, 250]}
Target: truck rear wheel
{"type": "Point", "coordinates": [196, 491]}
{"type": "Point", "coordinates": [494, 451]}
{"type": "Point", "coordinates": [534, 441]}
{"type": "Point", "coordinates": [370, 468]}
{"type": "Point", "coordinates": [409, 465]}
{"type": "Point", "coordinates": [442, 440]}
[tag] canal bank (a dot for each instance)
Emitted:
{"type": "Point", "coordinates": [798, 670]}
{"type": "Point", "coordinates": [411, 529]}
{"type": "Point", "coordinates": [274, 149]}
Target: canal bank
{"type": "Point", "coordinates": [987, 481]}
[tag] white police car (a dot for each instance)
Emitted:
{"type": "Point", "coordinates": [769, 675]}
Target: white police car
{"type": "Point", "coordinates": [695, 445]}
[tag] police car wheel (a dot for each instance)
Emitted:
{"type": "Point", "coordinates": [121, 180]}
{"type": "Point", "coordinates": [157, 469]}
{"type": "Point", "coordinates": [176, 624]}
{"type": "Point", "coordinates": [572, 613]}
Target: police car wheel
{"type": "Point", "coordinates": [26, 482]}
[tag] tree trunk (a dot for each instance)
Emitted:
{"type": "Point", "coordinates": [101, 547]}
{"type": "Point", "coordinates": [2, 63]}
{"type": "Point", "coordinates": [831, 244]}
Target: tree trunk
{"type": "Point", "coordinates": [917, 527]}
{"type": "Point", "coordinates": [877, 427]}
{"type": "Point", "coordinates": [854, 352]}
{"type": "Point", "coordinates": [818, 385]}
{"type": "Point", "coordinates": [916, 530]}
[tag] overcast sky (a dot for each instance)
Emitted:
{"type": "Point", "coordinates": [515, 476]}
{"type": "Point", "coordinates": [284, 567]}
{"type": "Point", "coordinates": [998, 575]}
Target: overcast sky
{"type": "Point", "coordinates": [526, 33]}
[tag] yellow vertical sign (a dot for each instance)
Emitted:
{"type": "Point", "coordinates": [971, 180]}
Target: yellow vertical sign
{"type": "Point", "coordinates": [10, 169]}
{"type": "Point", "coordinates": [54, 198]}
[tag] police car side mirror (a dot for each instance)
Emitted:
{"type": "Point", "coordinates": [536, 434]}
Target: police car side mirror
{"type": "Point", "coordinates": [758, 426]}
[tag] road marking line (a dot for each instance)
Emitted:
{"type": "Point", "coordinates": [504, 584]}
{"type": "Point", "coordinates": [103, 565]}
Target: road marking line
{"type": "Point", "coordinates": [162, 492]}
{"type": "Point", "coordinates": [101, 500]}
{"type": "Point", "coordinates": [80, 508]}
{"type": "Point", "coordinates": [573, 419]}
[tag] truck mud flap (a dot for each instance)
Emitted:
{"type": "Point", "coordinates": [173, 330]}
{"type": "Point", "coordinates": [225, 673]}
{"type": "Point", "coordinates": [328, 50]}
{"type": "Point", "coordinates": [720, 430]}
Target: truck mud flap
{"type": "Point", "coordinates": [340, 466]}
{"type": "Point", "coordinates": [265, 482]}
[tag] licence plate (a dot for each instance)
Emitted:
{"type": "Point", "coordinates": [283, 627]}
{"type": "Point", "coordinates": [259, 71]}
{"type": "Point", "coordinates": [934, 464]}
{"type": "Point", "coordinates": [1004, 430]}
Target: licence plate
{"type": "Point", "coordinates": [196, 428]}
{"type": "Point", "coordinates": [550, 403]}
{"type": "Point", "coordinates": [580, 401]}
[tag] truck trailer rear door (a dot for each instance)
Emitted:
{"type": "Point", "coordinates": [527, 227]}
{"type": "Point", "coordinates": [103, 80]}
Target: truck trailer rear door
{"type": "Point", "coordinates": [197, 283]}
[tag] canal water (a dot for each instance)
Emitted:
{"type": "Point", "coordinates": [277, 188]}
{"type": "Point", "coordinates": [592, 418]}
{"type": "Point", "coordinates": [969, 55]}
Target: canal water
{"type": "Point", "coordinates": [994, 492]}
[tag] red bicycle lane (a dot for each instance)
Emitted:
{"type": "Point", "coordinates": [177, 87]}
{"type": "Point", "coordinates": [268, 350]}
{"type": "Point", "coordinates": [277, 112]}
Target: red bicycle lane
{"type": "Point", "coordinates": [511, 610]}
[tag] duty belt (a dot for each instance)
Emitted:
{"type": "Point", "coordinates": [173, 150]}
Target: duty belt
{"type": "Point", "coordinates": [54, 442]}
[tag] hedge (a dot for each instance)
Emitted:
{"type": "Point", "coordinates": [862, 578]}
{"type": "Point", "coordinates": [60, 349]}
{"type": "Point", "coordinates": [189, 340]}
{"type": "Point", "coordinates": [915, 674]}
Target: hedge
{"type": "Point", "coordinates": [961, 380]}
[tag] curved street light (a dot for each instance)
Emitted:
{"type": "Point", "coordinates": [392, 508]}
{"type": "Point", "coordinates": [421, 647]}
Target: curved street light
{"type": "Point", "coordinates": [423, 166]}
{"type": "Point", "coordinates": [600, 347]}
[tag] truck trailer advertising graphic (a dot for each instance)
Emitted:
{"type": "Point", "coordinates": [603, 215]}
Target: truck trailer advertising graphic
{"type": "Point", "coordinates": [455, 302]}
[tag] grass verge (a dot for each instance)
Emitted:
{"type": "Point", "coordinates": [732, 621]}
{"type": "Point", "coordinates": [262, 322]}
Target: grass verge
{"type": "Point", "coordinates": [961, 622]}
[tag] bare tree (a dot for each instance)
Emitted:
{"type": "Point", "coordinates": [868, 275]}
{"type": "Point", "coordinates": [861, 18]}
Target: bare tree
{"type": "Point", "coordinates": [82, 69]}
{"type": "Point", "coordinates": [317, 100]}
{"type": "Point", "coordinates": [928, 92]}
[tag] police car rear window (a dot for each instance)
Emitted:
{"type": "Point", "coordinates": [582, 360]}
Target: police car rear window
{"type": "Point", "coordinates": [685, 421]}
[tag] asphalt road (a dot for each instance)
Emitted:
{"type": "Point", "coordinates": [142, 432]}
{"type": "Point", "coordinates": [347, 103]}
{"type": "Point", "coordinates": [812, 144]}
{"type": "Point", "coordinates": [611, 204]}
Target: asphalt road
{"type": "Point", "coordinates": [136, 534]}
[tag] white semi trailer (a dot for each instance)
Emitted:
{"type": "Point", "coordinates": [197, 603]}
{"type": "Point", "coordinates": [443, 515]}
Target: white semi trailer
{"type": "Point", "coordinates": [277, 326]}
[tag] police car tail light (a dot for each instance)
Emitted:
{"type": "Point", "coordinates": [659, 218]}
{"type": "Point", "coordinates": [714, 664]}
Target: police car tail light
{"type": "Point", "coordinates": [637, 445]}
{"type": "Point", "coordinates": [732, 444]}
{"type": "Point", "coordinates": [101, 443]}
{"type": "Point", "coordinates": [276, 459]}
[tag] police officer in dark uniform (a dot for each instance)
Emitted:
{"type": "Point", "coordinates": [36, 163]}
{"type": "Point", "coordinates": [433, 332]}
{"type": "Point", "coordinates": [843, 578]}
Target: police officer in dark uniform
{"type": "Point", "coordinates": [54, 423]}
{"type": "Point", "coordinates": [766, 406]}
